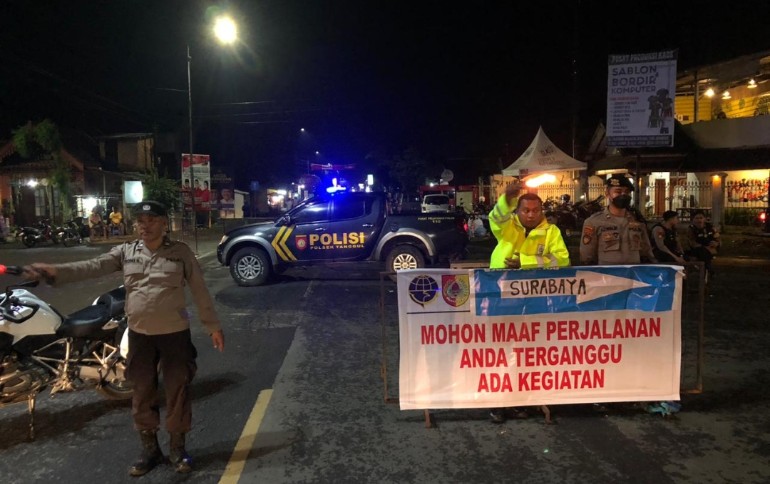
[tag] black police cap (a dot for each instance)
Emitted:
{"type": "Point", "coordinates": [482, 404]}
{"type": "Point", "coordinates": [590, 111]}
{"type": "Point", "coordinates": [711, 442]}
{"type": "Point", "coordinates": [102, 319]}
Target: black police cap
{"type": "Point", "coordinates": [150, 207]}
{"type": "Point", "coordinates": [618, 180]}
{"type": "Point", "coordinates": [669, 214]}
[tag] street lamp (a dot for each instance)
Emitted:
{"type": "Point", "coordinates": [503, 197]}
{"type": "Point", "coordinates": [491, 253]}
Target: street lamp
{"type": "Point", "coordinates": [226, 32]}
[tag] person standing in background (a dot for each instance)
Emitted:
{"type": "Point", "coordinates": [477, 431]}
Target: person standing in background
{"type": "Point", "coordinates": [667, 247]}
{"type": "Point", "coordinates": [704, 241]}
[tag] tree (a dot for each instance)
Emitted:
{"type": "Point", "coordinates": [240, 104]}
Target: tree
{"type": "Point", "coordinates": [44, 140]}
{"type": "Point", "coordinates": [161, 189]}
{"type": "Point", "coordinates": [409, 169]}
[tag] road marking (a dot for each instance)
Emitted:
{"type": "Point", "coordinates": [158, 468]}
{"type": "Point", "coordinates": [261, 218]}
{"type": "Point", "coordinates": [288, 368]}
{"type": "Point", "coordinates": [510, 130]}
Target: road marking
{"type": "Point", "coordinates": [237, 461]}
{"type": "Point", "coordinates": [307, 291]}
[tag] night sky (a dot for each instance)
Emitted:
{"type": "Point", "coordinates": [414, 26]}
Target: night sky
{"type": "Point", "coordinates": [463, 83]}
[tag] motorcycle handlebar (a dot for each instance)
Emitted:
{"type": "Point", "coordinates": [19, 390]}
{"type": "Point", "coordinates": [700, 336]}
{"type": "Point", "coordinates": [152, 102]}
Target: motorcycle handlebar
{"type": "Point", "coordinates": [18, 270]}
{"type": "Point", "coordinates": [12, 270]}
{"type": "Point", "coordinates": [9, 314]}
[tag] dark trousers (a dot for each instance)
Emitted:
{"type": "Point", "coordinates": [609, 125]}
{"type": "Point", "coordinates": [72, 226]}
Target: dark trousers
{"type": "Point", "coordinates": [663, 257]}
{"type": "Point", "coordinates": [702, 254]}
{"type": "Point", "coordinates": [174, 355]}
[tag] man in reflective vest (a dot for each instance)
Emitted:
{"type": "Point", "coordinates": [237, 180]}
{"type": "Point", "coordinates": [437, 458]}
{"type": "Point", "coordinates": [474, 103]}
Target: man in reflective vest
{"type": "Point", "coordinates": [525, 240]}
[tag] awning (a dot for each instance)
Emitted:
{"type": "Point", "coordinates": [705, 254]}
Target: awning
{"type": "Point", "coordinates": [697, 161]}
{"type": "Point", "coordinates": [647, 163]}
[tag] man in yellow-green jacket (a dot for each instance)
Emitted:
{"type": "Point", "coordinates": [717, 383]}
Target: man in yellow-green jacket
{"type": "Point", "coordinates": [525, 240]}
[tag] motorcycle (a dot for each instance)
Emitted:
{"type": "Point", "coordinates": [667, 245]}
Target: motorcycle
{"type": "Point", "coordinates": [39, 347]}
{"type": "Point", "coordinates": [562, 213]}
{"type": "Point", "coordinates": [69, 233]}
{"type": "Point", "coordinates": [569, 217]}
{"type": "Point", "coordinates": [39, 233]}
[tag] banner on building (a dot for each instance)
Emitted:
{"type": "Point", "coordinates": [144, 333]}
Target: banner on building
{"type": "Point", "coordinates": [196, 182]}
{"type": "Point", "coordinates": [640, 100]}
{"type": "Point", "coordinates": [222, 195]}
{"type": "Point", "coordinates": [497, 338]}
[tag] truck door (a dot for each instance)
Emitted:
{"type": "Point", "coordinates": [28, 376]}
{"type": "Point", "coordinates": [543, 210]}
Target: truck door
{"type": "Point", "coordinates": [352, 233]}
{"type": "Point", "coordinates": [291, 243]}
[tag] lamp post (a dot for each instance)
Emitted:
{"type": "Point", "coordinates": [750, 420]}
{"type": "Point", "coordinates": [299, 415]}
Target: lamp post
{"type": "Point", "coordinates": [190, 159]}
{"type": "Point", "coordinates": [226, 32]}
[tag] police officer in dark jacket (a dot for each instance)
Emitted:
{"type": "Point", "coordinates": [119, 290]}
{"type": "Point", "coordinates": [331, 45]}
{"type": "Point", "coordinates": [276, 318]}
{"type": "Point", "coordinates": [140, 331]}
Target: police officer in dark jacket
{"type": "Point", "coordinates": [704, 240]}
{"type": "Point", "coordinates": [667, 247]}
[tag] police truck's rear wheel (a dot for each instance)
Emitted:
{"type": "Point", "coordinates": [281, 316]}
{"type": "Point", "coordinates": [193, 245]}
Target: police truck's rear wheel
{"type": "Point", "coordinates": [404, 257]}
{"type": "Point", "coordinates": [250, 267]}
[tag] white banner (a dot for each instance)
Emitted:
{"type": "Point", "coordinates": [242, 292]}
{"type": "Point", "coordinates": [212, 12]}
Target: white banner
{"type": "Point", "coordinates": [640, 100]}
{"type": "Point", "coordinates": [491, 338]}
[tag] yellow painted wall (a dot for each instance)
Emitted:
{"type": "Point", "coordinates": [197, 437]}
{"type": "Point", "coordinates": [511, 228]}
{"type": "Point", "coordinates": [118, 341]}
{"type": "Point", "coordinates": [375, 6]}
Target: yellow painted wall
{"type": "Point", "coordinates": [743, 105]}
{"type": "Point", "coordinates": [684, 109]}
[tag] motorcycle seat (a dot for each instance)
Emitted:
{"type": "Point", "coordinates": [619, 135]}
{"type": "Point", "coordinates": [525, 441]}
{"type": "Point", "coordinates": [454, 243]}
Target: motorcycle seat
{"type": "Point", "coordinates": [84, 322]}
{"type": "Point", "coordinates": [115, 300]}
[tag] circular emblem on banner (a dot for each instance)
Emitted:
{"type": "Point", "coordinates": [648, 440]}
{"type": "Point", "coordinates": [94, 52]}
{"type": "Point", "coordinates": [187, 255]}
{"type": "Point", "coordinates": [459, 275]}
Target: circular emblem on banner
{"type": "Point", "coordinates": [423, 289]}
{"type": "Point", "coordinates": [455, 289]}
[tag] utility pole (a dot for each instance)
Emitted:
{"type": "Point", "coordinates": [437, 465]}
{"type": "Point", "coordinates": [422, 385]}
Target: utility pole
{"type": "Point", "coordinates": [190, 133]}
{"type": "Point", "coordinates": [575, 90]}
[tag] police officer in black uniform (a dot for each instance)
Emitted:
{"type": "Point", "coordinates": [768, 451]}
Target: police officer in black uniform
{"type": "Point", "coordinates": [667, 247]}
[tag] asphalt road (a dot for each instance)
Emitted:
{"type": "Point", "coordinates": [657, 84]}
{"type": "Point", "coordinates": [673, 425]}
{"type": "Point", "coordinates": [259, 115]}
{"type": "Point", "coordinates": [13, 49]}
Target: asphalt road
{"type": "Point", "coordinates": [304, 355]}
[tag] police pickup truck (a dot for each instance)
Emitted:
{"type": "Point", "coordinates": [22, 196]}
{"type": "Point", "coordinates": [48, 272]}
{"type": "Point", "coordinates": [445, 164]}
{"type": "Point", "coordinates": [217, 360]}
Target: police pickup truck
{"type": "Point", "coordinates": [337, 228]}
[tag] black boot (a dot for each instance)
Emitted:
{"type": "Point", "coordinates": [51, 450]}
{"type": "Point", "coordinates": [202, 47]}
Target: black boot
{"type": "Point", "coordinates": [178, 456]}
{"type": "Point", "coordinates": [151, 455]}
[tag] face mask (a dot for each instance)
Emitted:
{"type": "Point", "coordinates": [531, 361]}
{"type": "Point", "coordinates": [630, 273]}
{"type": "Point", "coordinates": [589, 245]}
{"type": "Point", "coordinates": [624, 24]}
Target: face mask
{"type": "Point", "coordinates": [622, 201]}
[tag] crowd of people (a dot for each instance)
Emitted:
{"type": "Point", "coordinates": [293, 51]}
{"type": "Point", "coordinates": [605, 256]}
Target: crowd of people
{"type": "Point", "coordinates": [158, 324]}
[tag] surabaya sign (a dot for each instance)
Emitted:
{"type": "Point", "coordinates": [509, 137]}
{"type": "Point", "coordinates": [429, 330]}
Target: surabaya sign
{"type": "Point", "coordinates": [640, 100]}
{"type": "Point", "coordinates": [538, 337]}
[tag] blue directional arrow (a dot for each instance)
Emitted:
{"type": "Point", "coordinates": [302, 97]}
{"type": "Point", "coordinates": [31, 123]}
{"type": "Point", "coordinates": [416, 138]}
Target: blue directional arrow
{"type": "Point", "coordinates": [574, 289]}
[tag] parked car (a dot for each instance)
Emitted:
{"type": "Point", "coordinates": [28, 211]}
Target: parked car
{"type": "Point", "coordinates": [435, 203]}
{"type": "Point", "coordinates": [346, 227]}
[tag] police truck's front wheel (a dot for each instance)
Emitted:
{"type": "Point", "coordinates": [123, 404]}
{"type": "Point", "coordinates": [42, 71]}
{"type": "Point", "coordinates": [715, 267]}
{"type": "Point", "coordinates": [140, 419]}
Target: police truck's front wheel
{"type": "Point", "coordinates": [404, 257]}
{"type": "Point", "coordinates": [250, 267]}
